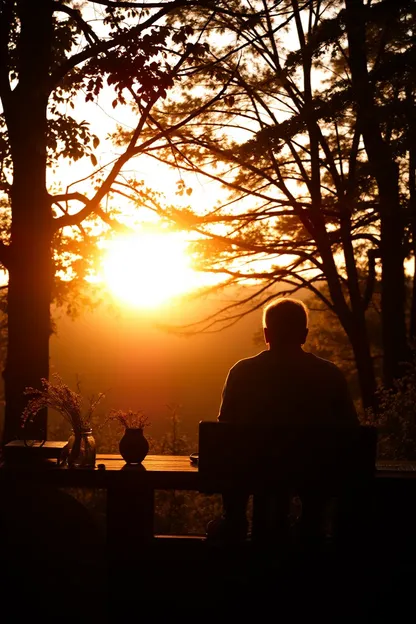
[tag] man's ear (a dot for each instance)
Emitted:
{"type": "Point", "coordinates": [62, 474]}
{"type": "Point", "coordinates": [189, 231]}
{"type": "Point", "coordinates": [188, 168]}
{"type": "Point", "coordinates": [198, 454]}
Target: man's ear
{"type": "Point", "coordinates": [266, 335]}
{"type": "Point", "coordinates": [305, 335]}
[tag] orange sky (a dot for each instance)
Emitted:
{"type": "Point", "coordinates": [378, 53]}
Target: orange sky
{"type": "Point", "coordinates": [140, 367]}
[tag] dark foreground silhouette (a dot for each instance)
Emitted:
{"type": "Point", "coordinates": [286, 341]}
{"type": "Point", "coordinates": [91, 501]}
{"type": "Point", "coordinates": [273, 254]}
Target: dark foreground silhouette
{"type": "Point", "coordinates": [55, 566]}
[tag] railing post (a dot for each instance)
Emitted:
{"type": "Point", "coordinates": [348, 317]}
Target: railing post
{"type": "Point", "coordinates": [130, 513]}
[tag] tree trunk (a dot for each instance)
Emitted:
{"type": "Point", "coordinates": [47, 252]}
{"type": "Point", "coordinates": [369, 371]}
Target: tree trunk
{"type": "Point", "coordinates": [30, 264]}
{"type": "Point", "coordinates": [393, 298]}
{"type": "Point", "coordinates": [353, 321]}
{"type": "Point", "coordinates": [386, 174]}
{"type": "Point", "coordinates": [364, 362]}
{"type": "Point", "coordinates": [356, 325]}
{"type": "Point", "coordinates": [412, 193]}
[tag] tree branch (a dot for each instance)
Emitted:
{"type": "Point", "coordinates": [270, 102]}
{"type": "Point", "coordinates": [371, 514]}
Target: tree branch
{"type": "Point", "coordinates": [92, 205]}
{"type": "Point", "coordinates": [114, 4]}
{"type": "Point", "coordinates": [76, 16]}
{"type": "Point", "coordinates": [71, 220]}
{"type": "Point", "coordinates": [68, 197]}
{"type": "Point", "coordinates": [117, 40]}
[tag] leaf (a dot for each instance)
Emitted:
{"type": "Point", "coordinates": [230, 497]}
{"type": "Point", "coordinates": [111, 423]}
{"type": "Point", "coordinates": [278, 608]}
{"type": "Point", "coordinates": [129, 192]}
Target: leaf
{"type": "Point", "coordinates": [93, 159]}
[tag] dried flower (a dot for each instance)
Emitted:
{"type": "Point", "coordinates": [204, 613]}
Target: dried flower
{"type": "Point", "coordinates": [130, 419]}
{"type": "Point", "coordinates": [58, 396]}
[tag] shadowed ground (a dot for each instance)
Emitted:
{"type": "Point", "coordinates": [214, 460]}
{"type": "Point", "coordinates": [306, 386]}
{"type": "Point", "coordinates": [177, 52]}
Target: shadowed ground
{"type": "Point", "coordinates": [55, 567]}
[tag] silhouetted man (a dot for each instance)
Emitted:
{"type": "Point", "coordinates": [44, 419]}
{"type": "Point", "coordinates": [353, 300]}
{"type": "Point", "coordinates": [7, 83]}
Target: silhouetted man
{"type": "Point", "coordinates": [281, 385]}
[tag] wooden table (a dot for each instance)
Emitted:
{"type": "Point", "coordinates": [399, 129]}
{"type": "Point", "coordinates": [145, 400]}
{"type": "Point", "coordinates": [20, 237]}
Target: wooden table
{"type": "Point", "coordinates": [130, 489]}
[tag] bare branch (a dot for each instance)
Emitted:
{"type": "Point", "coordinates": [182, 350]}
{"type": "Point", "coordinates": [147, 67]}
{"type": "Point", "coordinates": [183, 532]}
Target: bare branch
{"type": "Point", "coordinates": [68, 197]}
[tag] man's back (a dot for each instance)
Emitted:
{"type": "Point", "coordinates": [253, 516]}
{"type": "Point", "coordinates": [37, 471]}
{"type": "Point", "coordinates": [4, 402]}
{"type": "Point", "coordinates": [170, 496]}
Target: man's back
{"type": "Point", "coordinates": [282, 386]}
{"type": "Point", "coordinates": [297, 389]}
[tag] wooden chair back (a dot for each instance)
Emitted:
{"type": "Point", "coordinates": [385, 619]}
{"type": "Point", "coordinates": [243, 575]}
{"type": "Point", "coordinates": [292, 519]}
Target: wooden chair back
{"type": "Point", "coordinates": [269, 460]}
{"type": "Point", "coordinates": [257, 457]}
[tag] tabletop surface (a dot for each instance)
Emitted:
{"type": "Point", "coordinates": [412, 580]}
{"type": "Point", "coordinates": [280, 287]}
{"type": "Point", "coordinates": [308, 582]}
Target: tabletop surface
{"type": "Point", "coordinates": [182, 463]}
{"type": "Point", "coordinates": [152, 463]}
{"type": "Point", "coordinates": [173, 468]}
{"type": "Point", "coordinates": [171, 464]}
{"type": "Point", "coordinates": [111, 471]}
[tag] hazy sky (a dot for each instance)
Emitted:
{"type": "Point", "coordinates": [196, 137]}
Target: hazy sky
{"type": "Point", "coordinates": [138, 366]}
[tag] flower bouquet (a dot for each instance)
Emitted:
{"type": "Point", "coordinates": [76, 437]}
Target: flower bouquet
{"type": "Point", "coordinates": [80, 451]}
{"type": "Point", "coordinates": [129, 419]}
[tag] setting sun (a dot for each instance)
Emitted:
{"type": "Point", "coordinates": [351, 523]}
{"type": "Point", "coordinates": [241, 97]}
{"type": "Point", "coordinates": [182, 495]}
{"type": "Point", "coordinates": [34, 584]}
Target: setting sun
{"type": "Point", "coordinates": [148, 269]}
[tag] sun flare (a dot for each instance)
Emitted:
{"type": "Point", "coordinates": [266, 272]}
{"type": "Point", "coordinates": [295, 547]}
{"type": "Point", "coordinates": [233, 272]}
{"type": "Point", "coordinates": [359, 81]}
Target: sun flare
{"type": "Point", "coordinates": [149, 269]}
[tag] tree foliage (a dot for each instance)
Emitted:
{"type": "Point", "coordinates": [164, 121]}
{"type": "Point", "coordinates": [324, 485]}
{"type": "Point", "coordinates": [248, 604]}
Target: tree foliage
{"type": "Point", "coordinates": [395, 418]}
{"type": "Point", "coordinates": [312, 144]}
{"type": "Point", "coordinates": [55, 57]}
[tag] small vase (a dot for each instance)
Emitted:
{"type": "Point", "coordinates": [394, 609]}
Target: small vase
{"type": "Point", "coordinates": [133, 446]}
{"type": "Point", "coordinates": [81, 449]}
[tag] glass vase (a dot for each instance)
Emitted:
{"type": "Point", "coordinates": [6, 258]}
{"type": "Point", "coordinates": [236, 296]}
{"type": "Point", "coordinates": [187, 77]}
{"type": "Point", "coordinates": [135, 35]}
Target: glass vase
{"type": "Point", "coordinates": [81, 449]}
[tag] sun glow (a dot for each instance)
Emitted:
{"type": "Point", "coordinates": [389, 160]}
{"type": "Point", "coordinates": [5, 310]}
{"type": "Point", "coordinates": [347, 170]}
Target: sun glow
{"type": "Point", "coordinates": [149, 269]}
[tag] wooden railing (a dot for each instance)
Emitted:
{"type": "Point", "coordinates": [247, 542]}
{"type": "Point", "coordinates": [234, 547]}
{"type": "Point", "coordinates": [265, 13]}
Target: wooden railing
{"type": "Point", "coordinates": [130, 490]}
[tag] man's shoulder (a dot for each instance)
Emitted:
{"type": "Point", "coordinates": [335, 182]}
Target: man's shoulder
{"type": "Point", "coordinates": [321, 364]}
{"type": "Point", "coordinates": [265, 360]}
{"type": "Point", "coordinates": [249, 363]}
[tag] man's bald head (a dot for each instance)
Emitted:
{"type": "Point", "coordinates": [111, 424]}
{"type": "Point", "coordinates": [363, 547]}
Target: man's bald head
{"type": "Point", "coordinates": [285, 322]}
